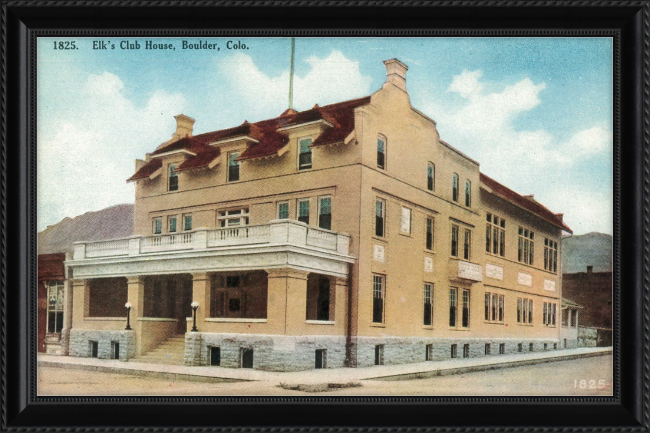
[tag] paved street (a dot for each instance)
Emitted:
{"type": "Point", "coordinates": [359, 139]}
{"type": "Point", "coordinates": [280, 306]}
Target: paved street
{"type": "Point", "coordinates": [586, 376]}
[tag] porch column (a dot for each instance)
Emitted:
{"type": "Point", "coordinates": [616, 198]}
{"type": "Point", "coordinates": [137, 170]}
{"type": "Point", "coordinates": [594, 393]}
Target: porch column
{"type": "Point", "coordinates": [200, 294]}
{"type": "Point", "coordinates": [67, 317]}
{"type": "Point", "coordinates": [339, 299]}
{"type": "Point", "coordinates": [80, 302]}
{"type": "Point", "coordinates": [296, 310]}
{"type": "Point", "coordinates": [136, 299]}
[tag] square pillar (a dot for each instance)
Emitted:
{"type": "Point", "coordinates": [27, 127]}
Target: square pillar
{"type": "Point", "coordinates": [136, 299]}
{"type": "Point", "coordinates": [200, 294]}
{"type": "Point", "coordinates": [296, 309]}
{"type": "Point", "coordinates": [79, 299]}
{"type": "Point", "coordinates": [339, 300]}
{"type": "Point", "coordinates": [67, 317]}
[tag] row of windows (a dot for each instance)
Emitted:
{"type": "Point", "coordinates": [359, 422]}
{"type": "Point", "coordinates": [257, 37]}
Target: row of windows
{"type": "Point", "coordinates": [459, 306]}
{"type": "Point", "coordinates": [302, 211]}
{"type": "Point", "coordinates": [495, 243]}
{"type": "Point", "coordinates": [172, 224]}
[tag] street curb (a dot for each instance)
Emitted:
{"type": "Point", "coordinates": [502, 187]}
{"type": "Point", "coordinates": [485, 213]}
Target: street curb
{"type": "Point", "coordinates": [142, 373]}
{"type": "Point", "coordinates": [486, 367]}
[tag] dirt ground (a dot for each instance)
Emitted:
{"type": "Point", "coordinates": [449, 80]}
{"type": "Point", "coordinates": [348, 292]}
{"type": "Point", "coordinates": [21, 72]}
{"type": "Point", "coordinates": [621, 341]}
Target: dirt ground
{"type": "Point", "coordinates": [587, 376]}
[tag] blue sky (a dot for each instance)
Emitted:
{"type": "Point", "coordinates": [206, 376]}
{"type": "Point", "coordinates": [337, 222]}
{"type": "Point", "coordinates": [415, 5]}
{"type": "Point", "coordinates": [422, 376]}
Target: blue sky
{"type": "Point", "coordinates": [535, 112]}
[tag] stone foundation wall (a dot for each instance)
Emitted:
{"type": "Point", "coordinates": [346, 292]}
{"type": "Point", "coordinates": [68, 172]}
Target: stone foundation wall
{"type": "Point", "coordinates": [587, 337]}
{"type": "Point", "coordinates": [270, 352]}
{"type": "Point", "coordinates": [79, 343]}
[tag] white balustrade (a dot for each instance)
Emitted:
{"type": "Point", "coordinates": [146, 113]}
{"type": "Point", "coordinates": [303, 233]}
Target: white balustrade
{"type": "Point", "coordinates": [118, 247]}
{"type": "Point", "coordinates": [321, 239]}
{"type": "Point", "coordinates": [180, 241]}
{"type": "Point", "coordinates": [243, 235]}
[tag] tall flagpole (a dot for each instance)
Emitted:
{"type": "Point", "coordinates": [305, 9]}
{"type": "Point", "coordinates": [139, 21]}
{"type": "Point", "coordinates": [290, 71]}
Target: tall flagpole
{"type": "Point", "coordinates": [293, 50]}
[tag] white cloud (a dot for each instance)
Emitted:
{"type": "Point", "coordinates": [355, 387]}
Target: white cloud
{"type": "Point", "coordinates": [331, 79]}
{"type": "Point", "coordinates": [86, 157]}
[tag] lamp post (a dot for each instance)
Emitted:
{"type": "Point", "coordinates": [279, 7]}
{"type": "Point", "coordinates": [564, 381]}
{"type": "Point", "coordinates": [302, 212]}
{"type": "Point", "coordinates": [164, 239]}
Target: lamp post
{"type": "Point", "coordinates": [195, 306]}
{"type": "Point", "coordinates": [128, 316]}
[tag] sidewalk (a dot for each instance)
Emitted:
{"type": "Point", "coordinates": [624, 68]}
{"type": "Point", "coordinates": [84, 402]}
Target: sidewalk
{"type": "Point", "coordinates": [332, 375]}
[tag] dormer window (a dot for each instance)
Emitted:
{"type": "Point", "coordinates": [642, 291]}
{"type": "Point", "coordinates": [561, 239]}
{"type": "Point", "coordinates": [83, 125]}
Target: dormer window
{"type": "Point", "coordinates": [173, 177]}
{"type": "Point", "coordinates": [381, 153]}
{"type": "Point", "coordinates": [233, 167]}
{"type": "Point", "coordinates": [304, 156]}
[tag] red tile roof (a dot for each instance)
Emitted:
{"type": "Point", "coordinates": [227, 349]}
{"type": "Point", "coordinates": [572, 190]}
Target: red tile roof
{"type": "Point", "coordinates": [527, 203]}
{"type": "Point", "coordinates": [265, 132]}
{"type": "Point", "coordinates": [50, 266]}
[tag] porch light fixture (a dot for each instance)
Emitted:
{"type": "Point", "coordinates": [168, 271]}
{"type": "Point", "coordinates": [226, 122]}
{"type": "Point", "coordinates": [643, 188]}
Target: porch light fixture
{"type": "Point", "coordinates": [195, 306]}
{"type": "Point", "coordinates": [128, 316]}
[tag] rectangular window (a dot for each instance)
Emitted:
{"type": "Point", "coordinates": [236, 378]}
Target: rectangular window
{"type": "Point", "coordinates": [488, 348]}
{"type": "Point", "coordinates": [454, 351]}
{"type": "Point", "coordinates": [468, 193]}
{"type": "Point", "coordinates": [467, 244]}
{"type": "Point", "coordinates": [524, 310]}
{"type": "Point", "coordinates": [55, 301]}
{"type": "Point", "coordinates": [320, 358]}
{"type": "Point", "coordinates": [428, 304]}
{"type": "Point", "coordinates": [453, 306]}
{"type": "Point", "coordinates": [115, 350]}
{"type": "Point", "coordinates": [325, 213]}
{"type": "Point", "coordinates": [246, 357]}
{"type": "Point", "coordinates": [233, 218]}
{"type": "Point", "coordinates": [405, 224]}
{"type": "Point", "coordinates": [465, 313]}
{"type": "Point", "coordinates": [172, 223]}
{"type": "Point", "coordinates": [431, 177]}
{"type": "Point", "coordinates": [429, 235]}
{"type": "Point", "coordinates": [495, 235]}
{"type": "Point", "coordinates": [215, 356]}
{"type": "Point", "coordinates": [173, 177]}
{"type": "Point", "coordinates": [379, 354]}
{"type": "Point", "coordinates": [283, 210]}
{"type": "Point", "coordinates": [187, 222]}
{"type": "Point", "coordinates": [94, 349]}
{"type": "Point", "coordinates": [157, 225]}
{"type": "Point", "coordinates": [531, 347]}
{"type": "Point", "coordinates": [378, 292]}
{"type": "Point", "coordinates": [454, 241]}
{"type": "Point", "coordinates": [549, 313]}
{"type": "Point", "coordinates": [380, 215]}
{"type": "Point", "coordinates": [454, 187]}
{"type": "Point", "coordinates": [550, 255]}
{"type": "Point", "coordinates": [502, 349]}
{"type": "Point", "coordinates": [381, 153]}
{"type": "Point", "coordinates": [233, 167]}
{"type": "Point", "coordinates": [494, 307]}
{"type": "Point", "coordinates": [303, 211]}
{"type": "Point", "coordinates": [428, 352]}
{"type": "Point", "coordinates": [465, 350]}
{"type": "Point", "coordinates": [304, 157]}
{"type": "Point", "coordinates": [526, 246]}
{"type": "Point", "coordinates": [520, 347]}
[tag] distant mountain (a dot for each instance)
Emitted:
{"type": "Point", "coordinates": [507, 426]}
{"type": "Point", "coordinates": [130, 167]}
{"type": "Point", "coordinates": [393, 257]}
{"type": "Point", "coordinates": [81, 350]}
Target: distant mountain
{"type": "Point", "coordinates": [591, 249]}
{"type": "Point", "coordinates": [110, 223]}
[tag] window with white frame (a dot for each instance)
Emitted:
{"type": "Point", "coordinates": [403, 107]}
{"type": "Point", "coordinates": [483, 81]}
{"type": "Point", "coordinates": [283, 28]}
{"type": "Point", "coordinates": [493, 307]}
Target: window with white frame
{"type": "Point", "coordinates": [380, 217]}
{"type": "Point", "coordinates": [187, 221]}
{"type": "Point", "coordinates": [283, 210]}
{"type": "Point", "coordinates": [550, 255]}
{"type": "Point", "coordinates": [378, 295]}
{"type": "Point", "coordinates": [467, 244]}
{"type": "Point", "coordinates": [524, 310]}
{"type": "Point", "coordinates": [459, 308]}
{"type": "Point", "coordinates": [233, 217]}
{"type": "Point", "coordinates": [172, 223]}
{"type": "Point", "coordinates": [173, 177]}
{"type": "Point", "coordinates": [325, 212]}
{"type": "Point", "coordinates": [549, 313]}
{"type": "Point", "coordinates": [495, 235]}
{"type": "Point", "coordinates": [494, 307]}
{"type": "Point", "coordinates": [431, 177]}
{"type": "Point", "coordinates": [405, 222]}
{"type": "Point", "coordinates": [304, 154]}
{"type": "Point", "coordinates": [381, 153]}
{"type": "Point", "coordinates": [303, 210]}
{"type": "Point", "coordinates": [526, 246]}
{"type": "Point", "coordinates": [233, 167]}
{"type": "Point", "coordinates": [428, 304]}
{"type": "Point", "coordinates": [55, 301]}
{"type": "Point", "coordinates": [157, 226]}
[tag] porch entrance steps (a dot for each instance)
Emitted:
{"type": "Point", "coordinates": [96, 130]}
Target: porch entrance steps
{"type": "Point", "coordinates": [170, 351]}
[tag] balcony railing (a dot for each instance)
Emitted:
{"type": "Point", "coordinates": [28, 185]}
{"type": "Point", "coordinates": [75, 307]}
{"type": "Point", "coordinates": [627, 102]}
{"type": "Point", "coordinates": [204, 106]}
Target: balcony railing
{"type": "Point", "coordinates": [278, 232]}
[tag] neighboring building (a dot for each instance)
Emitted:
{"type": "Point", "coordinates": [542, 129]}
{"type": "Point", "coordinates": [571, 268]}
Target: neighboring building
{"type": "Point", "coordinates": [569, 333]}
{"type": "Point", "coordinates": [51, 303]}
{"type": "Point", "coordinates": [592, 290]}
{"type": "Point", "coordinates": [344, 235]}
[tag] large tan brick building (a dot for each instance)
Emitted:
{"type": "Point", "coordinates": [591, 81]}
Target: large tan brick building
{"type": "Point", "coordinates": [344, 235]}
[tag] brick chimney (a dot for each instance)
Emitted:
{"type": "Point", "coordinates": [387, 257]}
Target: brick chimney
{"type": "Point", "coordinates": [396, 73]}
{"type": "Point", "coordinates": [590, 269]}
{"type": "Point", "coordinates": [184, 126]}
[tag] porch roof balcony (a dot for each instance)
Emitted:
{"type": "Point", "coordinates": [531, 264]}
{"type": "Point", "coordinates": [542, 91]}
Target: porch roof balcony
{"type": "Point", "coordinates": [279, 244]}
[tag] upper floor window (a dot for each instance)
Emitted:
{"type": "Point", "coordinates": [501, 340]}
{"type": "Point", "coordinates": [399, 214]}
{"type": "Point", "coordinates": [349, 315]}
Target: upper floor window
{"type": "Point", "coordinates": [283, 210]}
{"type": "Point", "coordinates": [380, 217]}
{"type": "Point", "coordinates": [428, 304]}
{"type": "Point", "coordinates": [233, 218]}
{"type": "Point", "coordinates": [378, 295]}
{"type": "Point", "coordinates": [325, 212]}
{"type": "Point", "coordinates": [550, 255]}
{"type": "Point", "coordinates": [303, 210]}
{"type": "Point", "coordinates": [454, 240]}
{"type": "Point", "coordinates": [494, 307]}
{"type": "Point", "coordinates": [381, 152]}
{"type": "Point", "coordinates": [428, 242]}
{"type": "Point", "coordinates": [495, 235]}
{"type": "Point", "coordinates": [550, 311]}
{"type": "Point", "coordinates": [405, 224]}
{"type": "Point", "coordinates": [172, 220]}
{"type": "Point", "coordinates": [431, 177]}
{"type": "Point", "coordinates": [304, 155]}
{"type": "Point", "coordinates": [173, 177]}
{"type": "Point", "coordinates": [454, 187]}
{"type": "Point", "coordinates": [157, 225]}
{"type": "Point", "coordinates": [468, 193]}
{"type": "Point", "coordinates": [467, 244]}
{"type": "Point", "coordinates": [187, 221]}
{"type": "Point", "coordinates": [233, 167]}
{"type": "Point", "coordinates": [526, 246]}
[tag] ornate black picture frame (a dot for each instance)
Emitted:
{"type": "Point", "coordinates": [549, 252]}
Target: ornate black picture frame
{"type": "Point", "coordinates": [628, 22]}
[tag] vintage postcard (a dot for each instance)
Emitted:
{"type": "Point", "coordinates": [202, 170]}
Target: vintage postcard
{"type": "Point", "coordinates": [325, 216]}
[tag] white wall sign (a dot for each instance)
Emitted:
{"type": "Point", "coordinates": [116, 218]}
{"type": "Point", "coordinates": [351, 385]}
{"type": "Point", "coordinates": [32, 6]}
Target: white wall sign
{"type": "Point", "coordinates": [428, 264]}
{"type": "Point", "coordinates": [470, 271]}
{"type": "Point", "coordinates": [494, 271]}
{"type": "Point", "coordinates": [525, 279]}
{"type": "Point", "coordinates": [405, 225]}
{"type": "Point", "coordinates": [378, 253]}
{"type": "Point", "coordinates": [549, 285]}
